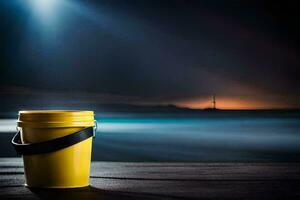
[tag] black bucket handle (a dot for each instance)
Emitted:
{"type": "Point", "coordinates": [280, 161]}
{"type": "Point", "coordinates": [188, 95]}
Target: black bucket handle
{"type": "Point", "coordinates": [54, 144]}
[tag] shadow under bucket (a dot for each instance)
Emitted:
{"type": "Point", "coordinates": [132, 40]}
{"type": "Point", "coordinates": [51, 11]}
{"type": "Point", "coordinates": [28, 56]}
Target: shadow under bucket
{"type": "Point", "coordinates": [56, 147]}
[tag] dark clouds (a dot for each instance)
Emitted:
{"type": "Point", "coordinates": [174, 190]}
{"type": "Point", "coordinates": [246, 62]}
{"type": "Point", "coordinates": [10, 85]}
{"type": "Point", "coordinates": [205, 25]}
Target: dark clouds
{"type": "Point", "coordinates": [156, 51]}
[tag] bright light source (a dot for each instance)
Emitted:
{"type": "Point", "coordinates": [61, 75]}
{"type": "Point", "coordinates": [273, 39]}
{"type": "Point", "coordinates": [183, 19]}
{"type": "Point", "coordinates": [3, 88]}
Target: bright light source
{"type": "Point", "coordinates": [45, 9]}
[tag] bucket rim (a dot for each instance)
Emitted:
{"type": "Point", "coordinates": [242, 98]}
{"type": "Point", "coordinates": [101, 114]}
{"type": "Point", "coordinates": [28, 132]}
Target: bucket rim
{"type": "Point", "coordinates": [56, 112]}
{"type": "Point", "coordinates": [55, 118]}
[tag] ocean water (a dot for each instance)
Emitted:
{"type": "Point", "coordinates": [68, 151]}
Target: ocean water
{"type": "Point", "coordinates": [204, 138]}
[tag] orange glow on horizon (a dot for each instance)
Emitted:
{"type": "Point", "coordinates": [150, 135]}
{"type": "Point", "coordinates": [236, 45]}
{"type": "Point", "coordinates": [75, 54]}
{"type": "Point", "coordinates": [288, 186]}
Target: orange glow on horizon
{"type": "Point", "coordinates": [231, 104]}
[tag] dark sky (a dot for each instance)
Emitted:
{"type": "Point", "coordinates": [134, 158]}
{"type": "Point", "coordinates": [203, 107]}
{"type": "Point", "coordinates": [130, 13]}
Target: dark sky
{"type": "Point", "coordinates": [152, 52]}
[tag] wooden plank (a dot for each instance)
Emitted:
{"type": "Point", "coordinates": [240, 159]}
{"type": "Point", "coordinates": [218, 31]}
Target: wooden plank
{"type": "Point", "coordinates": [115, 180]}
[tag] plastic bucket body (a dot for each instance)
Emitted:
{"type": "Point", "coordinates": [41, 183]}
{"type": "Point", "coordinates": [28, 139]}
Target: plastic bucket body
{"type": "Point", "coordinates": [65, 168]}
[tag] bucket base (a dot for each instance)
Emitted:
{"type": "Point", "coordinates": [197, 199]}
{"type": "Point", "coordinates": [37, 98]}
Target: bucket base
{"type": "Point", "coordinates": [56, 187]}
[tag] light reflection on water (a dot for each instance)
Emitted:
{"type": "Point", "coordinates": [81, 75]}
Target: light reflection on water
{"type": "Point", "coordinates": [190, 139]}
{"type": "Point", "coordinates": [213, 139]}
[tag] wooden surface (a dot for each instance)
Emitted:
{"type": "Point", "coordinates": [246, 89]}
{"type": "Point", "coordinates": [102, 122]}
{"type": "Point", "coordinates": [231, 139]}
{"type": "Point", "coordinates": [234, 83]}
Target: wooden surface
{"type": "Point", "coordinates": [112, 180]}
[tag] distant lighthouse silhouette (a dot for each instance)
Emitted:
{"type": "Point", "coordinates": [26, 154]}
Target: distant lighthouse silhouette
{"type": "Point", "coordinates": [213, 104]}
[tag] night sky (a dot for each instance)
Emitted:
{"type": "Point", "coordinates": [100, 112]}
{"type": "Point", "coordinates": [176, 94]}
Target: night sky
{"type": "Point", "coordinates": [150, 52]}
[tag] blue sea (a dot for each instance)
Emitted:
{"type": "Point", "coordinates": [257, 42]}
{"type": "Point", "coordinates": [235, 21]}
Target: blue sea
{"type": "Point", "coordinates": [206, 137]}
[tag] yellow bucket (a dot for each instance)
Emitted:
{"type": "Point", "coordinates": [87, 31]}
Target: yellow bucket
{"type": "Point", "coordinates": [56, 146]}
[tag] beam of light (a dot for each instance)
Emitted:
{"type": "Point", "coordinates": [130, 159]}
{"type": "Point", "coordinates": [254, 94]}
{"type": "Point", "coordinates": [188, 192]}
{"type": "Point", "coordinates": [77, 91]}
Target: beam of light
{"type": "Point", "coordinates": [47, 22]}
{"type": "Point", "coordinates": [192, 139]}
{"type": "Point", "coordinates": [45, 10]}
{"type": "Point", "coordinates": [8, 125]}
{"type": "Point", "coordinates": [44, 6]}
{"type": "Point", "coordinates": [48, 10]}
